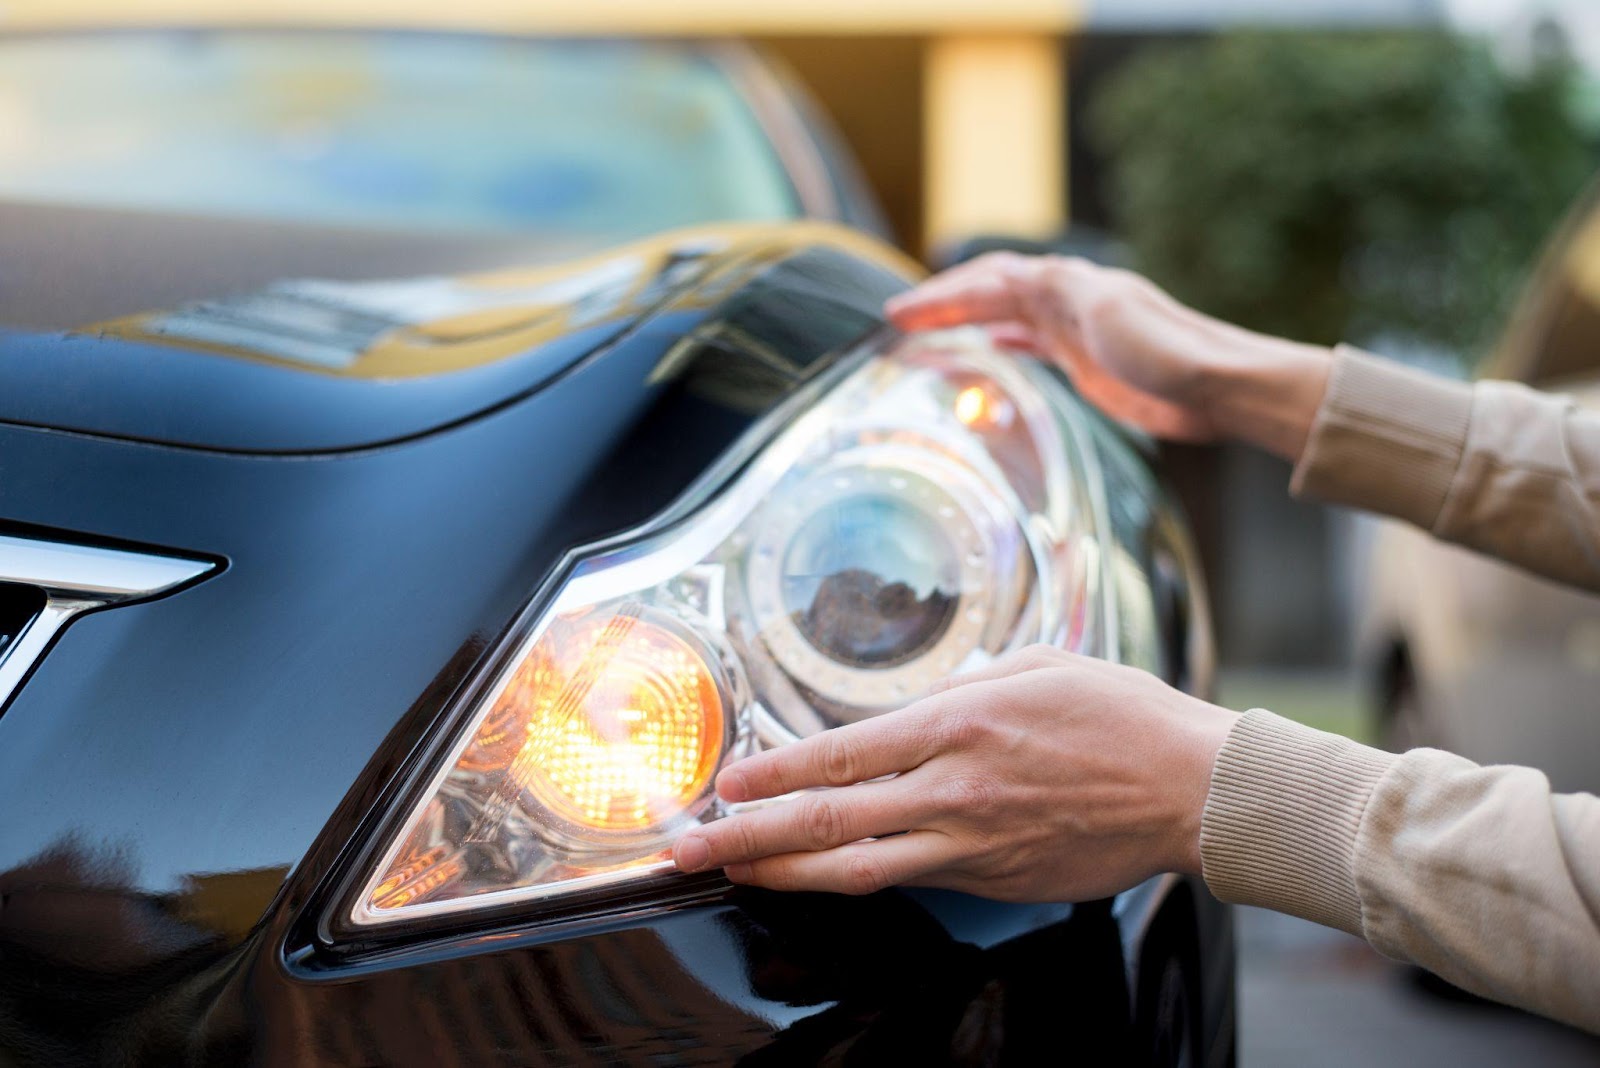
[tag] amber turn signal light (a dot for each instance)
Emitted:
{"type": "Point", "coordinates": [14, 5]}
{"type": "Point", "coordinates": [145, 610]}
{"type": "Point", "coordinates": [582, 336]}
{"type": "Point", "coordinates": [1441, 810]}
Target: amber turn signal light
{"type": "Point", "coordinates": [624, 723]}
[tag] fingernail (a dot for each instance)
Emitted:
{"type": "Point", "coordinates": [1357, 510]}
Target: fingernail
{"type": "Point", "coordinates": [737, 873]}
{"type": "Point", "coordinates": [730, 786]}
{"type": "Point", "coordinates": [692, 853]}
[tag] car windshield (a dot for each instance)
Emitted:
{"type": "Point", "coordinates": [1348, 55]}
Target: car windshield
{"type": "Point", "coordinates": [396, 131]}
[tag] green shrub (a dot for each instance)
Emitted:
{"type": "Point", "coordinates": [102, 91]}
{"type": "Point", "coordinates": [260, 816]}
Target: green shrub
{"type": "Point", "coordinates": [1337, 186]}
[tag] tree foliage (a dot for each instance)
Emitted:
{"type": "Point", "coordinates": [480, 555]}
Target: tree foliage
{"type": "Point", "coordinates": [1340, 185]}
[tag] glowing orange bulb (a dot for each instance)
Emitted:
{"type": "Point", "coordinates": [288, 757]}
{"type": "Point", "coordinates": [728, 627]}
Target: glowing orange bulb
{"type": "Point", "coordinates": [622, 723]}
{"type": "Point", "coordinates": [972, 405]}
{"type": "Point", "coordinates": [612, 723]}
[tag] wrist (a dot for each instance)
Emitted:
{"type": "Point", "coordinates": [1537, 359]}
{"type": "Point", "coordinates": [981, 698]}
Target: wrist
{"type": "Point", "coordinates": [1265, 391]}
{"type": "Point", "coordinates": [1210, 727]}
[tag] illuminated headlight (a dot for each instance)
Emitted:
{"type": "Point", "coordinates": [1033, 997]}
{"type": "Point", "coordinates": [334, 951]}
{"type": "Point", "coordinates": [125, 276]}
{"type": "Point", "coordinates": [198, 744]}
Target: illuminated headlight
{"type": "Point", "coordinates": [927, 514]}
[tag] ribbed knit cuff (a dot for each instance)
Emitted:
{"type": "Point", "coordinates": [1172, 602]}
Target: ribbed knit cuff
{"type": "Point", "coordinates": [1386, 438]}
{"type": "Point", "coordinates": [1281, 820]}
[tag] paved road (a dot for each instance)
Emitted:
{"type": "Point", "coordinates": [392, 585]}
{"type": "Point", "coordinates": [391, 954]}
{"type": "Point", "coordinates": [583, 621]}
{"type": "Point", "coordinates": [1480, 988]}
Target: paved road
{"type": "Point", "coordinates": [1312, 997]}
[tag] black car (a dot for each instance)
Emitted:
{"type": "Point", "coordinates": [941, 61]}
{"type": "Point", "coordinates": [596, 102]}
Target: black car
{"type": "Point", "coordinates": [364, 644]}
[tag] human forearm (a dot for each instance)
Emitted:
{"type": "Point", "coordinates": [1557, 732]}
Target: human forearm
{"type": "Point", "coordinates": [1132, 349]}
{"type": "Point", "coordinates": [1480, 874]}
{"type": "Point", "coordinates": [1260, 390]}
{"type": "Point", "coordinates": [1494, 466]}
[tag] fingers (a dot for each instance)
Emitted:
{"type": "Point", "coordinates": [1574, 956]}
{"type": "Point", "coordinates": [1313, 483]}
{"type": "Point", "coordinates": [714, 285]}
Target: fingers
{"type": "Point", "coordinates": [859, 868]}
{"type": "Point", "coordinates": [888, 744]}
{"type": "Point", "coordinates": [821, 820]}
{"type": "Point", "coordinates": [1030, 658]}
{"type": "Point", "coordinates": [980, 291]}
{"type": "Point", "coordinates": [1016, 337]}
{"type": "Point", "coordinates": [1044, 305]}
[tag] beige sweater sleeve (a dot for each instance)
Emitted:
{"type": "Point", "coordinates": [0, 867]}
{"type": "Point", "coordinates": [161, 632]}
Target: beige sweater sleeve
{"type": "Point", "coordinates": [1495, 466]}
{"type": "Point", "coordinates": [1482, 875]}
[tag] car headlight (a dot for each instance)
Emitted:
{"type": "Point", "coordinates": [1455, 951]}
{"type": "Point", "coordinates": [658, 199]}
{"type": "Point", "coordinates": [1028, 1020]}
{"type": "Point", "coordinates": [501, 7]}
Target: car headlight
{"type": "Point", "coordinates": [927, 514]}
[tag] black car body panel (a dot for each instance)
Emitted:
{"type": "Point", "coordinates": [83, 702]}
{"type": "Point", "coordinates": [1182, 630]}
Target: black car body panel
{"type": "Point", "coordinates": [326, 366]}
{"type": "Point", "coordinates": [188, 782]}
{"type": "Point", "coordinates": [178, 774]}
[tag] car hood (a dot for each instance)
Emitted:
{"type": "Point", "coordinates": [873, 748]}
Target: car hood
{"type": "Point", "coordinates": [315, 365]}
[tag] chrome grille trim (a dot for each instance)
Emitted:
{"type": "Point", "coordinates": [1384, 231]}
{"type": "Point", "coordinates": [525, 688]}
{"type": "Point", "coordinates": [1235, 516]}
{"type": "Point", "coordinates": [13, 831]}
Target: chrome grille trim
{"type": "Point", "coordinates": [76, 579]}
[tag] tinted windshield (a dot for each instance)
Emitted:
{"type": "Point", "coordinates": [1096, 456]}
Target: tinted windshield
{"type": "Point", "coordinates": [392, 131]}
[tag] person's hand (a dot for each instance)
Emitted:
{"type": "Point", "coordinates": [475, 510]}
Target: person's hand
{"type": "Point", "coordinates": [1131, 349]}
{"type": "Point", "coordinates": [1045, 777]}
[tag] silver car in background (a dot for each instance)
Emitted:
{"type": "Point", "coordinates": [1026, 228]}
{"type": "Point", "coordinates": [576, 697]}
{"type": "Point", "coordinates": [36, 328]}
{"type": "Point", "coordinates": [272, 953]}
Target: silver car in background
{"type": "Point", "coordinates": [1472, 655]}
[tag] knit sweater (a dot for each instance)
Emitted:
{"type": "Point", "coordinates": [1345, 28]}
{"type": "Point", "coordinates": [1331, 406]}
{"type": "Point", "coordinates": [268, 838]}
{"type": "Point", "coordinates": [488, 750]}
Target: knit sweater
{"type": "Point", "coordinates": [1480, 874]}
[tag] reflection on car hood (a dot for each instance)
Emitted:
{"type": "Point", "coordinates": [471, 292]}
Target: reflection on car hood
{"type": "Point", "coordinates": [421, 326]}
{"type": "Point", "coordinates": [306, 365]}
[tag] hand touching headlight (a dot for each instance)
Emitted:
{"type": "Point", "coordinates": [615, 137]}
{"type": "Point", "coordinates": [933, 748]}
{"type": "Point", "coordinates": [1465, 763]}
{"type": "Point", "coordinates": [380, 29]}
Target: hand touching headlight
{"type": "Point", "coordinates": [1045, 777]}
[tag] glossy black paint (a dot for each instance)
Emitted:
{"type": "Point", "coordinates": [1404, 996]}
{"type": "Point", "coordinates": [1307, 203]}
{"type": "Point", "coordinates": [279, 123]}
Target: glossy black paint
{"type": "Point", "coordinates": [177, 777]}
{"type": "Point", "coordinates": [133, 380]}
{"type": "Point", "coordinates": [160, 394]}
{"type": "Point", "coordinates": [184, 782]}
{"type": "Point", "coordinates": [182, 779]}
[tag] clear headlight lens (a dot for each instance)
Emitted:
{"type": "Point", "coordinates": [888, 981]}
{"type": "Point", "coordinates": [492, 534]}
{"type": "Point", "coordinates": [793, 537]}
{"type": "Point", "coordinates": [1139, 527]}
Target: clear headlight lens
{"type": "Point", "coordinates": [927, 515]}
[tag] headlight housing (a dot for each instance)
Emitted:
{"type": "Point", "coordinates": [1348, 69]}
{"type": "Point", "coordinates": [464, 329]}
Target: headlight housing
{"type": "Point", "coordinates": [929, 513]}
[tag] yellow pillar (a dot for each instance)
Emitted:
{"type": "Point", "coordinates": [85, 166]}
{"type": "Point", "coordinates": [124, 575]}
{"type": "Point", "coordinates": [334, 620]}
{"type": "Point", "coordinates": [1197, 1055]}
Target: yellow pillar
{"type": "Point", "coordinates": [994, 136]}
